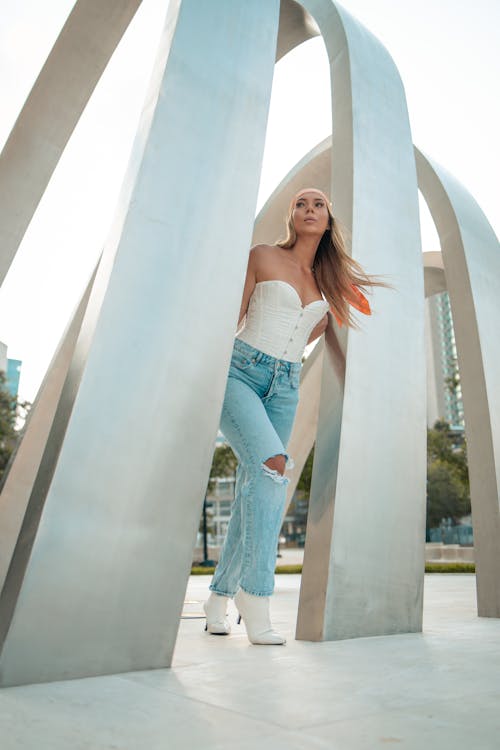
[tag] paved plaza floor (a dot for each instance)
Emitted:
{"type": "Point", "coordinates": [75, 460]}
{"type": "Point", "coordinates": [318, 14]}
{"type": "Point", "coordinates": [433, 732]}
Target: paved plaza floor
{"type": "Point", "coordinates": [435, 690]}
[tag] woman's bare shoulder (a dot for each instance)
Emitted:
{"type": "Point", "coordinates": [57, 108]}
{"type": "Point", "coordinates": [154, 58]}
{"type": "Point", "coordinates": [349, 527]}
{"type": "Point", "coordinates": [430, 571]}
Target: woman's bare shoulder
{"type": "Point", "coordinates": [263, 249]}
{"type": "Point", "coordinates": [263, 255]}
{"type": "Point", "coordinates": [268, 262]}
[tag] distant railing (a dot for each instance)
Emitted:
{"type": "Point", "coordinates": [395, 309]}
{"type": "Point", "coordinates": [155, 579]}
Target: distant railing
{"type": "Point", "coordinates": [460, 534]}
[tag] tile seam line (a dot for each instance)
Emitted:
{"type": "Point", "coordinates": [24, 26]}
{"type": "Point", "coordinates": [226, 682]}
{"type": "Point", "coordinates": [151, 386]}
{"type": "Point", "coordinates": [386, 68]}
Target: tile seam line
{"type": "Point", "coordinates": [222, 708]}
{"type": "Point", "coordinates": [305, 727]}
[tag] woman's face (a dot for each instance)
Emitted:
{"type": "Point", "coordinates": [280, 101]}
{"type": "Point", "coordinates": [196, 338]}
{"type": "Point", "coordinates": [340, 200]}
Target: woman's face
{"type": "Point", "coordinates": [310, 214]}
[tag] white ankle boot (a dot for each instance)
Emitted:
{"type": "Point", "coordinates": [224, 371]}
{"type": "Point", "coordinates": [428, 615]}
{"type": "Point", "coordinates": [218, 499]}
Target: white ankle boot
{"type": "Point", "coordinates": [255, 613]}
{"type": "Point", "coordinates": [215, 609]}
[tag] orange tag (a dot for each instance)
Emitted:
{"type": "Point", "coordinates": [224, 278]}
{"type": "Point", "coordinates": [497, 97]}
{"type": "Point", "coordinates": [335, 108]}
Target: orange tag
{"type": "Point", "coordinates": [360, 303]}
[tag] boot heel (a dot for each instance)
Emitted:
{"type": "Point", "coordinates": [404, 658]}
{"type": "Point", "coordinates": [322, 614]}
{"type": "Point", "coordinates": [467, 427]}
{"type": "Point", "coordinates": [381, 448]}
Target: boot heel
{"type": "Point", "coordinates": [215, 610]}
{"type": "Point", "coordinates": [257, 622]}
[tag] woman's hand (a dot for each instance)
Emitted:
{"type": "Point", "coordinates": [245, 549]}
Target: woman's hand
{"type": "Point", "coordinates": [318, 329]}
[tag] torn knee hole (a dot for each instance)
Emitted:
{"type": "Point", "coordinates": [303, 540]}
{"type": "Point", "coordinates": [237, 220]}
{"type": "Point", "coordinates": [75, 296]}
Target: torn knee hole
{"type": "Point", "coordinates": [271, 467]}
{"type": "Point", "coordinates": [277, 462]}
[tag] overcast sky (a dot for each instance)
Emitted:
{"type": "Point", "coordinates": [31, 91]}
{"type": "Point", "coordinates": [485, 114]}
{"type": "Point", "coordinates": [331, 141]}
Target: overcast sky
{"type": "Point", "coordinates": [446, 52]}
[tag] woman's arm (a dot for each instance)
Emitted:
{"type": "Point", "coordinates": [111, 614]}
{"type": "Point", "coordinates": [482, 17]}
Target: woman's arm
{"type": "Point", "coordinates": [318, 329]}
{"type": "Point", "coordinates": [250, 281]}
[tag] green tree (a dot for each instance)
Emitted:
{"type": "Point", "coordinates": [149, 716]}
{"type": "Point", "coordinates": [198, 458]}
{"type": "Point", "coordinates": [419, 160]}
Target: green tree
{"type": "Point", "coordinates": [449, 448]}
{"type": "Point", "coordinates": [224, 464]}
{"type": "Point", "coordinates": [448, 494]}
{"type": "Point", "coordinates": [8, 417]}
{"type": "Point", "coordinates": [452, 382]}
{"type": "Point", "coordinates": [304, 482]}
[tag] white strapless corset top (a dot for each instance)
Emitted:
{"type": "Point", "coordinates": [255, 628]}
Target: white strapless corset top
{"type": "Point", "coordinates": [277, 323]}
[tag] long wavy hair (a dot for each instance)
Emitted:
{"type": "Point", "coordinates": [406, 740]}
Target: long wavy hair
{"type": "Point", "coordinates": [337, 274]}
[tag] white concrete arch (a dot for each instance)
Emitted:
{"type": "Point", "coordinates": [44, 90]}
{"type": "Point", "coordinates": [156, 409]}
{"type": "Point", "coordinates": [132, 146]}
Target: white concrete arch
{"type": "Point", "coordinates": [368, 483]}
{"type": "Point", "coordinates": [61, 92]}
{"type": "Point", "coordinates": [471, 258]}
{"type": "Point", "coordinates": [48, 117]}
{"type": "Point", "coordinates": [52, 110]}
{"type": "Point", "coordinates": [108, 506]}
{"type": "Point", "coordinates": [105, 576]}
{"type": "Point", "coordinates": [37, 436]}
{"type": "Point", "coordinates": [469, 269]}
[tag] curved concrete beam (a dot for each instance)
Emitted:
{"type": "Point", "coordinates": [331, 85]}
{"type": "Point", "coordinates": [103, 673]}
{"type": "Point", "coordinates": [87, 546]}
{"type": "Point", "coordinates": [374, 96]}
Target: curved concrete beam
{"type": "Point", "coordinates": [434, 275]}
{"type": "Point", "coordinates": [49, 116]}
{"type": "Point", "coordinates": [471, 256]}
{"type": "Point", "coordinates": [471, 253]}
{"type": "Point", "coordinates": [23, 468]}
{"type": "Point", "coordinates": [106, 574]}
{"type": "Point", "coordinates": [296, 26]}
{"type": "Point", "coordinates": [59, 96]}
{"type": "Point", "coordinates": [368, 485]}
{"type": "Point", "coordinates": [52, 110]}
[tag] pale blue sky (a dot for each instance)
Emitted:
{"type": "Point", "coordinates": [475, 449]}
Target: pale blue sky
{"type": "Point", "coordinates": [446, 52]}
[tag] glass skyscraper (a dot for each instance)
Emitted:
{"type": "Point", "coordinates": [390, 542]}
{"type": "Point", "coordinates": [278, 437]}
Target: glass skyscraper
{"type": "Point", "coordinates": [443, 379]}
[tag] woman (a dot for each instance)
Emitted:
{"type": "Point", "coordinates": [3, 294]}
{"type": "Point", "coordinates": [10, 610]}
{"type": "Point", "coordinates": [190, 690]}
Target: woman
{"type": "Point", "coordinates": [289, 288]}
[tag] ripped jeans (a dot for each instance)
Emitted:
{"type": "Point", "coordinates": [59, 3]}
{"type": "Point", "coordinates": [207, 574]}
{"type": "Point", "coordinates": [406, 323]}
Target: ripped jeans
{"type": "Point", "coordinates": [257, 417]}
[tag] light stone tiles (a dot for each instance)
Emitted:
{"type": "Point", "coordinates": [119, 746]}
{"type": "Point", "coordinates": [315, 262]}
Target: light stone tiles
{"type": "Point", "coordinates": [109, 712]}
{"type": "Point", "coordinates": [444, 724]}
{"type": "Point", "coordinates": [436, 689]}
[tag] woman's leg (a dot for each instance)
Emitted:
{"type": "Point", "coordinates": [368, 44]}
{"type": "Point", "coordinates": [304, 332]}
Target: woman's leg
{"type": "Point", "coordinates": [281, 410]}
{"type": "Point", "coordinates": [248, 557]}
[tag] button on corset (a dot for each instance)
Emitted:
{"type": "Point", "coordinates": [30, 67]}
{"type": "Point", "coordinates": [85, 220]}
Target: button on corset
{"type": "Point", "coordinates": [277, 323]}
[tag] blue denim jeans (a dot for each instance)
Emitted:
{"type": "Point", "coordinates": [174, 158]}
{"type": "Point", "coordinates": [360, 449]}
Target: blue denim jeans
{"type": "Point", "coordinates": [257, 417]}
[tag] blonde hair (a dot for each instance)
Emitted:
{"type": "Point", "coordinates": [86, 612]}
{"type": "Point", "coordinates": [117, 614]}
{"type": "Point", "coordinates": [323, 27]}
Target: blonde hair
{"type": "Point", "coordinates": [337, 274]}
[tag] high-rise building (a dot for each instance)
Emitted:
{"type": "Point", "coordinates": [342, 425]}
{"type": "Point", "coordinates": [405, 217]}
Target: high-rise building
{"type": "Point", "coordinates": [13, 375]}
{"type": "Point", "coordinates": [444, 393]}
